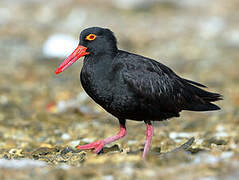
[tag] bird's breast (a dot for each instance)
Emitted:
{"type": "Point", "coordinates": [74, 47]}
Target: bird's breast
{"type": "Point", "coordinates": [97, 86]}
{"type": "Point", "coordinates": [106, 87]}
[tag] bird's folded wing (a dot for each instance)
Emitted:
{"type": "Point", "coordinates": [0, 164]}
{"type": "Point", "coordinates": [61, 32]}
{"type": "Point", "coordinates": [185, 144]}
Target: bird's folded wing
{"type": "Point", "coordinates": [155, 82]}
{"type": "Point", "coordinates": [157, 86]}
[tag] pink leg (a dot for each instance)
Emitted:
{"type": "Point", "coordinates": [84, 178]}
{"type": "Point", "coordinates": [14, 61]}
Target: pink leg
{"type": "Point", "coordinates": [98, 145]}
{"type": "Point", "coordinates": [149, 134]}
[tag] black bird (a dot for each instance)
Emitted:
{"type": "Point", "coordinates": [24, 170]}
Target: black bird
{"type": "Point", "coordinates": [130, 86]}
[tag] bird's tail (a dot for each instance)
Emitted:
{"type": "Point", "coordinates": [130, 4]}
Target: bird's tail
{"type": "Point", "coordinates": [201, 100]}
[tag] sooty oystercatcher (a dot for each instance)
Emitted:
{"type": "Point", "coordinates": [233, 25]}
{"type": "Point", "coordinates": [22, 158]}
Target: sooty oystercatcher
{"type": "Point", "coordinates": [130, 86]}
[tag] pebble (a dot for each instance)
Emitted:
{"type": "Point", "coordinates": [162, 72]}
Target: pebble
{"type": "Point", "coordinates": [175, 135]}
{"type": "Point", "coordinates": [220, 128]}
{"type": "Point", "coordinates": [15, 151]}
{"type": "Point", "coordinates": [199, 141]}
{"type": "Point", "coordinates": [65, 136]}
{"type": "Point", "coordinates": [74, 143]}
{"type": "Point", "coordinates": [87, 140]}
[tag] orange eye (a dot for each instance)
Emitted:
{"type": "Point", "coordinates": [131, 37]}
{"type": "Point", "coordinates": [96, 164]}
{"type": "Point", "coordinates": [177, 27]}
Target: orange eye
{"type": "Point", "coordinates": [90, 37]}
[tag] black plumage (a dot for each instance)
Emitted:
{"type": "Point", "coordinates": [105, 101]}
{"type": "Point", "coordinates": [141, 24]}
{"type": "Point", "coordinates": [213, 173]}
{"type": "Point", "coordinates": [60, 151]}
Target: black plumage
{"type": "Point", "coordinates": [130, 86]}
{"type": "Point", "coordinates": [134, 87]}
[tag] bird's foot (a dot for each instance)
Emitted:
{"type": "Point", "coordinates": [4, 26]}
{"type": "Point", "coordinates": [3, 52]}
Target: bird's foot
{"type": "Point", "coordinates": [97, 145]}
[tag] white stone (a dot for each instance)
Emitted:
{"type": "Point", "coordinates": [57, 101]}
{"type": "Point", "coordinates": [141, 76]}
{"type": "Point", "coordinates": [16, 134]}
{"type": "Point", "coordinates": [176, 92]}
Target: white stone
{"type": "Point", "coordinates": [175, 135]}
{"type": "Point", "coordinates": [87, 140]}
{"type": "Point", "coordinates": [59, 46]}
{"type": "Point", "coordinates": [65, 136]}
{"type": "Point", "coordinates": [74, 143]}
{"type": "Point", "coordinates": [220, 128]}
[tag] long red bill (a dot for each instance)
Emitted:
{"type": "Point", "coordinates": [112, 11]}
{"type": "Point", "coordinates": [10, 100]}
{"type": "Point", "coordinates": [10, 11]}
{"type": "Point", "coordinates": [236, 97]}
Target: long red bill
{"type": "Point", "coordinates": [77, 53]}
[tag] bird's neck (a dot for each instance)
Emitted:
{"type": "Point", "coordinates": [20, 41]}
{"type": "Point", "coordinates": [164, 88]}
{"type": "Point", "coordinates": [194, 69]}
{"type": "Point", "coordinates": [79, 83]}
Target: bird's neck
{"type": "Point", "coordinates": [109, 53]}
{"type": "Point", "coordinates": [98, 65]}
{"type": "Point", "coordinates": [100, 59]}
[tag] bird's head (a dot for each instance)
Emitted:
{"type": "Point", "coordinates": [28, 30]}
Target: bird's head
{"type": "Point", "coordinates": [94, 41]}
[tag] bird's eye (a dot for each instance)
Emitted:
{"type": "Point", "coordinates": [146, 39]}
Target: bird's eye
{"type": "Point", "coordinates": [90, 37]}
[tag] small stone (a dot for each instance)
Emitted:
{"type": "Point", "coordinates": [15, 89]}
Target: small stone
{"type": "Point", "coordinates": [220, 128]}
{"type": "Point", "coordinates": [75, 143]}
{"type": "Point", "coordinates": [87, 140]}
{"type": "Point", "coordinates": [59, 45]}
{"type": "Point", "coordinates": [67, 150]}
{"type": "Point", "coordinates": [175, 135]}
{"type": "Point", "coordinates": [65, 136]}
{"type": "Point", "coordinates": [215, 141]}
{"type": "Point", "coordinates": [16, 152]}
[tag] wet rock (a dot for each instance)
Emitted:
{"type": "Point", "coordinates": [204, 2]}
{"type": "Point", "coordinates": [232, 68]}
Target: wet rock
{"type": "Point", "coordinates": [114, 148]}
{"type": "Point", "coordinates": [208, 142]}
{"type": "Point", "coordinates": [43, 151]}
{"type": "Point", "coordinates": [69, 149]}
{"type": "Point", "coordinates": [16, 153]}
{"type": "Point", "coordinates": [156, 149]}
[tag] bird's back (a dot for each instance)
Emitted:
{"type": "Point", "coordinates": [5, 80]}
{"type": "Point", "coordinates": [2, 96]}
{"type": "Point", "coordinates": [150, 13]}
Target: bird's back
{"type": "Point", "coordinates": [161, 93]}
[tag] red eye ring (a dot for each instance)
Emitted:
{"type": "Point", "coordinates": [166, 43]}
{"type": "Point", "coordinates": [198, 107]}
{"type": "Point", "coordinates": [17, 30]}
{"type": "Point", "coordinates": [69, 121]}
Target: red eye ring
{"type": "Point", "coordinates": [90, 37]}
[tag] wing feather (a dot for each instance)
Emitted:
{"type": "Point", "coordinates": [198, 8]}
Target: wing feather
{"type": "Point", "coordinates": [155, 82]}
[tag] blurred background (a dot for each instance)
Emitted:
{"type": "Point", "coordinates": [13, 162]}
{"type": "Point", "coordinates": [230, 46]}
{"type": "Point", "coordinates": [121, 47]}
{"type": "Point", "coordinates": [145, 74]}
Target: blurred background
{"type": "Point", "coordinates": [43, 116]}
